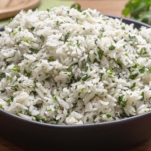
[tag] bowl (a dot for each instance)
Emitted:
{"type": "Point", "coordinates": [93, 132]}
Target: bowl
{"type": "Point", "coordinates": [115, 135]}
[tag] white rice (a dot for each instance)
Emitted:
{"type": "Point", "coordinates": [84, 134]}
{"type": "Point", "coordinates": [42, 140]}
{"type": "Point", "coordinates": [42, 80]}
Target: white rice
{"type": "Point", "coordinates": [68, 67]}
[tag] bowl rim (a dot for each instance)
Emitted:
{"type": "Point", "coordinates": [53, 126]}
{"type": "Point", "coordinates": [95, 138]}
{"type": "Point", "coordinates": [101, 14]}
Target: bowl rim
{"type": "Point", "coordinates": [115, 122]}
{"type": "Point", "coordinates": [109, 123]}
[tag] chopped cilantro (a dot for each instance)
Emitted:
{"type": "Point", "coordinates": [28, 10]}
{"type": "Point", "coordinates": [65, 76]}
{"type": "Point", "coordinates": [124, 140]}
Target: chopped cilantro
{"type": "Point", "coordinates": [10, 20]}
{"type": "Point", "coordinates": [66, 36]}
{"type": "Point", "coordinates": [34, 50]}
{"type": "Point", "coordinates": [38, 118]}
{"type": "Point", "coordinates": [123, 115]}
{"type": "Point", "coordinates": [32, 28]}
{"type": "Point", "coordinates": [89, 59]}
{"type": "Point", "coordinates": [19, 29]}
{"type": "Point", "coordinates": [136, 65]}
{"type": "Point", "coordinates": [142, 94]}
{"type": "Point", "coordinates": [108, 115]}
{"type": "Point", "coordinates": [111, 47]}
{"type": "Point", "coordinates": [86, 68]}
{"type": "Point", "coordinates": [74, 105]}
{"type": "Point", "coordinates": [133, 38]}
{"type": "Point", "coordinates": [27, 73]}
{"type": "Point", "coordinates": [54, 97]}
{"type": "Point", "coordinates": [109, 71]}
{"type": "Point", "coordinates": [77, 6]}
{"type": "Point", "coordinates": [57, 23]}
{"type": "Point", "coordinates": [133, 85]}
{"type": "Point", "coordinates": [2, 75]}
{"type": "Point", "coordinates": [119, 63]}
{"type": "Point", "coordinates": [84, 78]}
{"type": "Point", "coordinates": [142, 70]}
{"type": "Point", "coordinates": [149, 70]}
{"type": "Point", "coordinates": [42, 37]}
{"type": "Point", "coordinates": [16, 68]}
{"type": "Point", "coordinates": [48, 9]}
{"type": "Point", "coordinates": [2, 91]}
{"type": "Point", "coordinates": [142, 51]}
{"type": "Point", "coordinates": [51, 59]}
{"type": "Point", "coordinates": [10, 99]}
{"type": "Point", "coordinates": [100, 53]}
{"type": "Point", "coordinates": [133, 76]}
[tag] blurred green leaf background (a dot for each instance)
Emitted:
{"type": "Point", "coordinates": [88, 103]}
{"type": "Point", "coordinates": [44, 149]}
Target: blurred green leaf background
{"type": "Point", "coordinates": [139, 10]}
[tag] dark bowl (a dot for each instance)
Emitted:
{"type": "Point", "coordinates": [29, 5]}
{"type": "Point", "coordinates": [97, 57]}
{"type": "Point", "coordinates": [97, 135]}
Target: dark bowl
{"type": "Point", "coordinates": [116, 135]}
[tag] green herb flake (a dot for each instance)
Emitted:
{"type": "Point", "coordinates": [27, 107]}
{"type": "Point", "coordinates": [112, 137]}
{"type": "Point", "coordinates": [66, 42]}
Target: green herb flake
{"type": "Point", "coordinates": [123, 115]}
{"type": "Point", "coordinates": [142, 94]}
{"type": "Point", "coordinates": [138, 10]}
{"type": "Point", "coordinates": [26, 40]}
{"type": "Point", "coordinates": [42, 37]}
{"type": "Point", "coordinates": [133, 76]}
{"type": "Point", "coordinates": [14, 33]}
{"type": "Point", "coordinates": [34, 50]}
{"type": "Point", "coordinates": [123, 28]}
{"type": "Point", "coordinates": [120, 99]}
{"type": "Point", "coordinates": [84, 13]}
{"type": "Point", "coordinates": [16, 68]}
{"type": "Point", "coordinates": [70, 68]}
{"type": "Point", "coordinates": [54, 97]}
{"type": "Point", "coordinates": [111, 47]}
{"type": "Point", "coordinates": [119, 63]}
{"type": "Point", "coordinates": [35, 86]}
{"type": "Point", "coordinates": [96, 61]}
{"type": "Point", "coordinates": [86, 68]}
{"type": "Point", "coordinates": [18, 42]}
{"type": "Point", "coordinates": [142, 51]}
{"type": "Point", "coordinates": [133, 38]}
{"type": "Point", "coordinates": [10, 20]}
{"type": "Point", "coordinates": [89, 60]}
{"type": "Point", "coordinates": [133, 85]}
{"type": "Point", "coordinates": [109, 71]}
{"type": "Point", "coordinates": [127, 55]}
{"type": "Point", "coordinates": [135, 65]}
{"type": "Point", "coordinates": [66, 37]}
{"type": "Point", "coordinates": [100, 53]}
{"type": "Point", "coordinates": [19, 29]}
{"type": "Point", "coordinates": [101, 75]}
{"type": "Point", "coordinates": [51, 59]}
{"type": "Point", "coordinates": [2, 75]}
{"type": "Point", "coordinates": [28, 112]}
{"type": "Point", "coordinates": [95, 41]}
{"type": "Point", "coordinates": [142, 70]}
{"type": "Point", "coordinates": [77, 6]}
{"type": "Point", "coordinates": [83, 89]}
{"type": "Point", "coordinates": [27, 73]}
{"type": "Point", "coordinates": [121, 102]}
{"type": "Point", "coordinates": [2, 91]}
{"type": "Point", "coordinates": [74, 105]}
{"type": "Point", "coordinates": [84, 78]}
{"type": "Point", "coordinates": [32, 28]}
{"type": "Point", "coordinates": [57, 23]}
{"type": "Point", "coordinates": [38, 118]}
{"type": "Point", "coordinates": [1, 106]}
{"type": "Point", "coordinates": [48, 10]}
{"type": "Point", "coordinates": [149, 70]}
{"type": "Point", "coordinates": [10, 99]}
{"type": "Point", "coordinates": [108, 115]}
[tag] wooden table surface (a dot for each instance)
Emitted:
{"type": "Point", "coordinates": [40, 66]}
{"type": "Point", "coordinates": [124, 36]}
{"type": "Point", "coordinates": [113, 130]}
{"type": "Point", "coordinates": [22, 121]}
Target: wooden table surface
{"type": "Point", "coordinates": [112, 7]}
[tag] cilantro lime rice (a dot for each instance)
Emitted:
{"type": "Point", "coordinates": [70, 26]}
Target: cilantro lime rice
{"type": "Point", "coordinates": [63, 66]}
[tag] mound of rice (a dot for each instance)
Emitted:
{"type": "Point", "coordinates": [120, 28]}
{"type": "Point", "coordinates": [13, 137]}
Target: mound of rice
{"type": "Point", "coordinates": [63, 66]}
